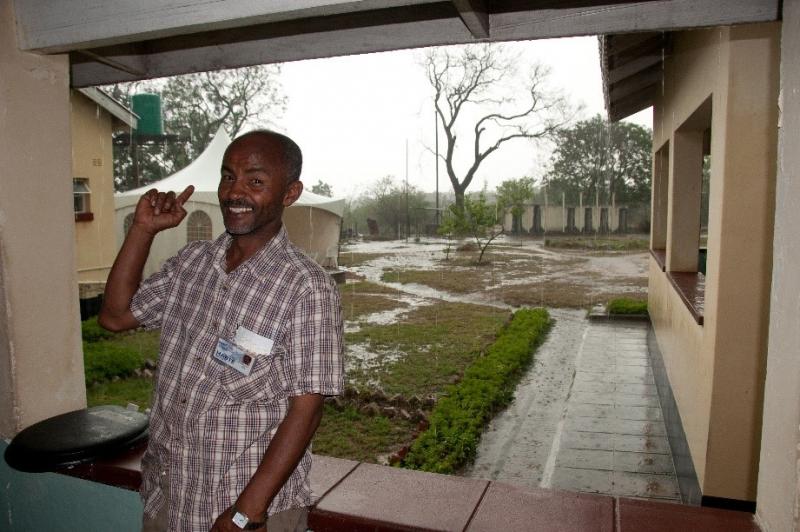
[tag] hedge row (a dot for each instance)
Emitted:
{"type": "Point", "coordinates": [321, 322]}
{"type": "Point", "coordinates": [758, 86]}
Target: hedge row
{"type": "Point", "coordinates": [626, 306]}
{"type": "Point", "coordinates": [459, 417]}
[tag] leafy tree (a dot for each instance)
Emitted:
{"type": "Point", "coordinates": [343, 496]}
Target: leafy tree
{"type": "Point", "coordinates": [477, 99]}
{"type": "Point", "coordinates": [322, 188]}
{"type": "Point", "coordinates": [595, 156]}
{"type": "Point", "coordinates": [194, 106]}
{"type": "Point", "coordinates": [511, 197]}
{"type": "Point", "coordinates": [477, 220]}
{"type": "Point", "coordinates": [392, 204]}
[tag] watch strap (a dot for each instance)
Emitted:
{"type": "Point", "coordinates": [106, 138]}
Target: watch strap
{"type": "Point", "coordinates": [249, 525]}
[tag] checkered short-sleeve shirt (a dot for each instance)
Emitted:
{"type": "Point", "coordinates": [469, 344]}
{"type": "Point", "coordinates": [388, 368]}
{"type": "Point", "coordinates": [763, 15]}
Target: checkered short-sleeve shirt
{"type": "Point", "coordinates": [210, 425]}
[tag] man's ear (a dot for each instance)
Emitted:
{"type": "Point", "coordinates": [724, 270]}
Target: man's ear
{"type": "Point", "coordinates": [293, 192]}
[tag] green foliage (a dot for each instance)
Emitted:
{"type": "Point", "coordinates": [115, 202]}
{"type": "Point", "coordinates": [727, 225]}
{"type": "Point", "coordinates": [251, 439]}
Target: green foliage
{"type": "Point", "coordinates": [512, 195]}
{"type": "Point", "coordinates": [596, 156]}
{"type": "Point", "coordinates": [477, 219]}
{"type": "Point", "coordinates": [458, 419]}
{"type": "Point", "coordinates": [92, 332]}
{"type": "Point", "coordinates": [394, 205]}
{"type": "Point", "coordinates": [194, 106]}
{"type": "Point", "coordinates": [626, 306]}
{"type": "Point", "coordinates": [104, 360]}
{"type": "Point", "coordinates": [322, 188]}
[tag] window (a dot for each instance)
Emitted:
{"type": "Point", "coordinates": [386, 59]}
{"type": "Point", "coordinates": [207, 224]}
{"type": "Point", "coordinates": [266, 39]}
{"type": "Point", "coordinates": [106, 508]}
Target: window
{"type": "Point", "coordinates": [81, 193]}
{"type": "Point", "coordinates": [198, 227]}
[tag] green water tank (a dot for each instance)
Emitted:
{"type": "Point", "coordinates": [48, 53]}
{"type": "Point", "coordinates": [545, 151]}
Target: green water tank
{"type": "Point", "coordinates": [148, 107]}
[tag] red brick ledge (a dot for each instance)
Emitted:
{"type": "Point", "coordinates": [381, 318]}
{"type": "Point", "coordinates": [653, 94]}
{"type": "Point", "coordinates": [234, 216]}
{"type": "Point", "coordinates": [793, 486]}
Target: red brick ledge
{"type": "Point", "coordinates": [356, 497]}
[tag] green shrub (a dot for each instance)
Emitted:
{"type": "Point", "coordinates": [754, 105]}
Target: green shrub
{"type": "Point", "coordinates": [626, 306]}
{"type": "Point", "coordinates": [458, 419]}
{"type": "Point", "coordinates": [92, 332]}
{"type": "Point", "coordinates": [104, 360]}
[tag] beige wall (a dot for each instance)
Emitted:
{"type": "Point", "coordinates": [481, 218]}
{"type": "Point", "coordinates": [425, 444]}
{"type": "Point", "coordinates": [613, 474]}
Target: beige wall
{"type": "Point", "coordinates": [778, 491]}
{"type": "Point", "coordinates": [92, 158]}
{"type": "Point", "coordinates": [554, 217]}
{"type": "Point", "coordinates": [716, 370]}
{"type": "Point", "coordinates": [41, 367]}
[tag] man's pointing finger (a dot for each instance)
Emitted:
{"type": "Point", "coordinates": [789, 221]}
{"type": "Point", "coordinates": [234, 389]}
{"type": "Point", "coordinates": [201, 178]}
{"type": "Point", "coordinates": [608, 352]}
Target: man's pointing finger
{"type": "Point", "coordinates": [185, 195]}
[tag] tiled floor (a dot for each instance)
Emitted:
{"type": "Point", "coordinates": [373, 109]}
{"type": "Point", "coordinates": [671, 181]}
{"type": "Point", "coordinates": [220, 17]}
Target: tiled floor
{"type": "Point", "coordinates": [612, 438]}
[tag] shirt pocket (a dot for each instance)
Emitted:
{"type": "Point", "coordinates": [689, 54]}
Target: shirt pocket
{"type": "Point", "coordinates": [262, 384]}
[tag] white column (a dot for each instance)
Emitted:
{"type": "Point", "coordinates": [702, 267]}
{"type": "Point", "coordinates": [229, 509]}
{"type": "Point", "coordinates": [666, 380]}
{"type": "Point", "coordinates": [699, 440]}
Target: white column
{"type": "Point", "coordinates": [778, 490]}
{"type": "Point", "coordinates": [41, 366]}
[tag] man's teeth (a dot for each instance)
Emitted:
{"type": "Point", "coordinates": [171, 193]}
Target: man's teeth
{"type": "Point", "coordinates": [240, 210]}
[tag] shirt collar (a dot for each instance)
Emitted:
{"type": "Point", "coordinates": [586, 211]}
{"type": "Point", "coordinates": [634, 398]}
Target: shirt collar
{"type": "Point", "coordinates": [260, 261]}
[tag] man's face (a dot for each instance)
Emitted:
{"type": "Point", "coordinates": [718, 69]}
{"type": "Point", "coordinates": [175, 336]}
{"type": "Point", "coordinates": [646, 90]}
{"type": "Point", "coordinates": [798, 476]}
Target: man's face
{"type": "Point", "coordinates": [253, 190]}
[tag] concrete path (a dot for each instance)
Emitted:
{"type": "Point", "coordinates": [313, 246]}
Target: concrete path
{"type": "Point", "coordinates": [585, 418]}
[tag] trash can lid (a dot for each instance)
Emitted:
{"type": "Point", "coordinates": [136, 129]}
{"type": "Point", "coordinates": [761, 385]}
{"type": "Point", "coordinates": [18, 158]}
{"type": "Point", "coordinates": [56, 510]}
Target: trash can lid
{"type": "Point", "coordinates": [76, 437]}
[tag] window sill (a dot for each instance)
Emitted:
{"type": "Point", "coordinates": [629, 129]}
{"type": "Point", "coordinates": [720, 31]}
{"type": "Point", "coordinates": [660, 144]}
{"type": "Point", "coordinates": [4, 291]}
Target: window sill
{"type": "Point", "coordinates": [691, 286]}
{"type": "Point", "coordinates": [84, 216]}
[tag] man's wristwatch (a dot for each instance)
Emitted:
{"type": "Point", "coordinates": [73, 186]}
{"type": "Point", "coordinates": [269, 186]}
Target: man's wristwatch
{"type": "Point", "coordinates": [243, 522]}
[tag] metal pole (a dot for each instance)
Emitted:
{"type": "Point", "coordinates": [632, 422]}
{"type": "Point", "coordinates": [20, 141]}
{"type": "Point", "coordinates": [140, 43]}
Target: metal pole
{"type": "Point", "coordinates": [408, 219]}
{"type": "Point", "coordinates": [436, 129]}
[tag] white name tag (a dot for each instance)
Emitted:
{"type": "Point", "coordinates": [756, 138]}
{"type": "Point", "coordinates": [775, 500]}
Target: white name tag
{"type": "Point", "coordinates": [234, 356]}
{"type": "Point", "coordinates": [253, 342]}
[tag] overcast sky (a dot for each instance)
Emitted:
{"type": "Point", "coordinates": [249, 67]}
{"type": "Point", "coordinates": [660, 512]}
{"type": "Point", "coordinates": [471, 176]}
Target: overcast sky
{"type": "Point", "coordinates": [353, 116]}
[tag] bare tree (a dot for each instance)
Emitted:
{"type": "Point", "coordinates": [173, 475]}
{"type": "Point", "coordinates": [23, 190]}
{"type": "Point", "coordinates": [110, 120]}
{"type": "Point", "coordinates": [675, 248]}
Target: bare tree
{"type": "Point", "coordinates": [479, 77]}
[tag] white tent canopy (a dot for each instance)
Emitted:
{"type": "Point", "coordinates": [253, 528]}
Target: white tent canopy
{"type": "Point", "coordinates": [203, 173]}
{"type": "Point", "coordinates": [312, 222]}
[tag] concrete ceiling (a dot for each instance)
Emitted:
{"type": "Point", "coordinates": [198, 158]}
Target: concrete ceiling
{"type": "Point", "coordinates": [120, 40]}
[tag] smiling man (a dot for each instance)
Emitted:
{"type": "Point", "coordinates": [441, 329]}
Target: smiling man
{"type": "Point", "coordinates": [251, 341]}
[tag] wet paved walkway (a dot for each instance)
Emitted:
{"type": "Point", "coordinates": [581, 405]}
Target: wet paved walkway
{"type": "Point", "coordinates": [599, 429]}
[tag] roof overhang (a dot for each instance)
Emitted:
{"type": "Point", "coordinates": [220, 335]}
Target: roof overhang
{"type": "Point", "coordinates": [117, 109]}
{"type": "Point", "coordinates": [125, 41]}
{"type": "Point", "coordinates": [632, 68]}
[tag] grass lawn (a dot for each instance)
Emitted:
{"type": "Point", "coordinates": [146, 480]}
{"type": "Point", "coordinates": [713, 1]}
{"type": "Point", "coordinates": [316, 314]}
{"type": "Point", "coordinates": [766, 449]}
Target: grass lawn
{"type": "Point", "coordinates": [363, 298]}
{"type": "Point", "coordinates": [136, 390]}
{"type": "Point", "coordinates": [605, 243]}
{"type": "Point", "coordinates": [459, 281]}
{"type": "Point", "coordinates": [349, 434]}
{"type": "Point", "coordinates": [350, 259]}
{"type": "Point", "coordinates": [429, 349]}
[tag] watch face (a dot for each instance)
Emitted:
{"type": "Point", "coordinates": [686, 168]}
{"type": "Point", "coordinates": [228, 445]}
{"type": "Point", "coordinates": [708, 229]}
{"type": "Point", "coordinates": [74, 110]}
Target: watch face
{"type": "Point", "coordinates": [240, 520]}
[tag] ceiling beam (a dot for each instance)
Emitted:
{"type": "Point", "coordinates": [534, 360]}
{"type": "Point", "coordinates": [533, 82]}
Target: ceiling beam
{"type": "Point", "coordinates": [475, 17]}
{"type": "Point", "coordinates": [67, 25]}
{"type": "Point", "coordinates": [383, 30]}
{"type": "Point", "coordinates": [641, 80]}
{"type": "Point", "coordinates": [660, 15]}
{"type": "Point", "coordinates": [633, 67]}
{"type": "Point", "coordinates": [398, 27]}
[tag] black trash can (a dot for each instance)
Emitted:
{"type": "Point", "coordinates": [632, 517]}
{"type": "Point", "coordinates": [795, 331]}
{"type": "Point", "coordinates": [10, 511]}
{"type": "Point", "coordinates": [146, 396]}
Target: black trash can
{"type": "Point", "coordinates": [76, 437]}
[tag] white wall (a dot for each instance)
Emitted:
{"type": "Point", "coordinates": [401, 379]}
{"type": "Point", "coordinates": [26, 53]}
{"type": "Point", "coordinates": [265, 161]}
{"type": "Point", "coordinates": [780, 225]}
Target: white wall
{"type": "Point", "coordinates": [777, 503]}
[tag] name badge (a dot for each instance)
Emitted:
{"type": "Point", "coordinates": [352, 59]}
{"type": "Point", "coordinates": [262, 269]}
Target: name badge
{"type": "Point", "coordinates": [234, 356]}
{"type": "Point", "coordinates": [261, 345]}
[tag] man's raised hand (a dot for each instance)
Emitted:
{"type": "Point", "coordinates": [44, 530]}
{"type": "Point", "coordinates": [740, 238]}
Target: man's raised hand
{"type": "Point", "coordinates": [157, 211]}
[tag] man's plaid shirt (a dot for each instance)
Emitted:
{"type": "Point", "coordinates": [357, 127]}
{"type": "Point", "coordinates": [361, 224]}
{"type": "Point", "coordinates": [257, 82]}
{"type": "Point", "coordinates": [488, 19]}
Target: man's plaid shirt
{"type": "Point", "coordinates": [210, 425]}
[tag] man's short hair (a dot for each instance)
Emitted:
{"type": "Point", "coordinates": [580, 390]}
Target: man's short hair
{"type": "Point", "coordinates": [292, 156]}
